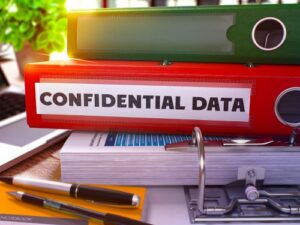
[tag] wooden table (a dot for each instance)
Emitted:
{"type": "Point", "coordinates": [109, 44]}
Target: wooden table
{"type": "Point", "coordinates": [45, 164]}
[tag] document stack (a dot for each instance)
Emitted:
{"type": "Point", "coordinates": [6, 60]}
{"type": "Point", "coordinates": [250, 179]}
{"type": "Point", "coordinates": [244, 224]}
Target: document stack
{"type": "Point", "coordinates": [141, 159]}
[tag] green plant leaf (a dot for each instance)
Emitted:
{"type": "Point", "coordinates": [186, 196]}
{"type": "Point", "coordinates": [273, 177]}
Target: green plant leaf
{"type": "Point", "coordinates": [42, 38]}
{"type": "Point", "coordinates": [24, 27]}
{"type": "Point", "coordinates": [18, 44]}
{"type": "Point", "coordinates": [41, 22]}
{"type": "Point", "coordinates": [50, 25]}
{"type": "Point", "coordinates": [61, 24]}
{"type": "Point", "coordinates": [4, 4]}
{"type": "Point", "coordinates": [30, 33]}
{"type": "Point", "coordinates": [59, 42]}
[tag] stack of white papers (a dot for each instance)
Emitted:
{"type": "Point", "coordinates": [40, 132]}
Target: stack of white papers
{"type": "Point", "coordinates": [140, 159]}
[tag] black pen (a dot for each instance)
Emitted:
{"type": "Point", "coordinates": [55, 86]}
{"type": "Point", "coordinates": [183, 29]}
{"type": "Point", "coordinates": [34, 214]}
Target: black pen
{"type": "Point", "coordinates": [95, 194]}
{"type": "Point", "coordinates": [107, 218]}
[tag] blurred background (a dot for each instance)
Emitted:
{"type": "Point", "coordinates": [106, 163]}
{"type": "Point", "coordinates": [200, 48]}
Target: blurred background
{"type": "Point", "coordinates": [75, 4]}
{"type": "Point", "coordinates": [95, 4]}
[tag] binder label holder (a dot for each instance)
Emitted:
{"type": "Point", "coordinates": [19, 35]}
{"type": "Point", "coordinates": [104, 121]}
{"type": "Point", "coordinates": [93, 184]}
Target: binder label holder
{"type": "Point", "coordinates": [246, 200]}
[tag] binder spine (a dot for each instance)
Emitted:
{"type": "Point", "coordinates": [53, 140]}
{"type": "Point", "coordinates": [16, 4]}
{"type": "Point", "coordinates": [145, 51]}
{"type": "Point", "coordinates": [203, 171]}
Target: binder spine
{"type": "Point", "coordinates": [222, 99]}
{"type": "Point", "coordinates": [232, 34]}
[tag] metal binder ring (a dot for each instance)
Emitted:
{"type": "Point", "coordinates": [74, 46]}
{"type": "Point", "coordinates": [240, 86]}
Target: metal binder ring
{"type": "Point", "coordinates": [198, 141]}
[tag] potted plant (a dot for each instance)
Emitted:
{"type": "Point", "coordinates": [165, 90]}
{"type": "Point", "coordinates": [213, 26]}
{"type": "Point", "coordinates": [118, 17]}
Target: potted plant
{"type": "Point", "coordinates": [38, 25]}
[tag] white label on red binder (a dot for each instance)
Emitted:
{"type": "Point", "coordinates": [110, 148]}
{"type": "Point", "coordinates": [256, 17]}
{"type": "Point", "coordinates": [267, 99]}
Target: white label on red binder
{"type": "Point", "coordinates": [144, 101]}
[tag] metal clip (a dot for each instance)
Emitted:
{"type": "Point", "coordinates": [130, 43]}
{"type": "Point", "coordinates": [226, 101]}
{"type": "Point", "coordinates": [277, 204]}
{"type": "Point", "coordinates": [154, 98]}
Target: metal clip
{"type": "Point", "coordinates": [166, 62]}
{"type": "Point", "coordinates": [197, 143]}
{"type": "Point", "coordinates": [239, 207]}
{"type": "Point", "coordinates": [186, 146]}
{"type": "Point", "coordinates": [293, 136]}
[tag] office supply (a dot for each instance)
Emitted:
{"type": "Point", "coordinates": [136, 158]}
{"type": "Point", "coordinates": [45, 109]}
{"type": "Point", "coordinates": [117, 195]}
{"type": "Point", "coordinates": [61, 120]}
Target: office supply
{"type": "Point", "coordinates": [6, 219]}
{"type": "Point", "coordinates": [17, 140]}
{"type": "Point", "coordinates": [107, 218]}
{"type": "Point", "coordinates": [229, 99]}
{"type": "Point", "coordinates": [167, 200]}
{"type": "Point", "coordinates": [96, 194]}
{"type": "Point", "coordinates": [141, 159]}
{"type": "Point", "coordinates": [236, 34]}
{"type": "Point", "coordinates": [246, 200]}
{"type": "Point", "coordinates": [34, 220]}
{"type": "Point", "coordinates": [248, 142]}
{"type": "Point", "coordinates": [15, 207]}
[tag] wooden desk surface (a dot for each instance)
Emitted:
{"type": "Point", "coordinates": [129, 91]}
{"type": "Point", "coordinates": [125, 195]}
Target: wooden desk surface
{"type": "Point", "coordinates": [45, 164]}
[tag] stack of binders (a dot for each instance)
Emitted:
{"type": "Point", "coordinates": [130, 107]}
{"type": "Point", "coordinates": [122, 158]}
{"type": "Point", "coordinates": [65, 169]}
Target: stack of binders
{"type": "Point", "coordinates": [232, 71]}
